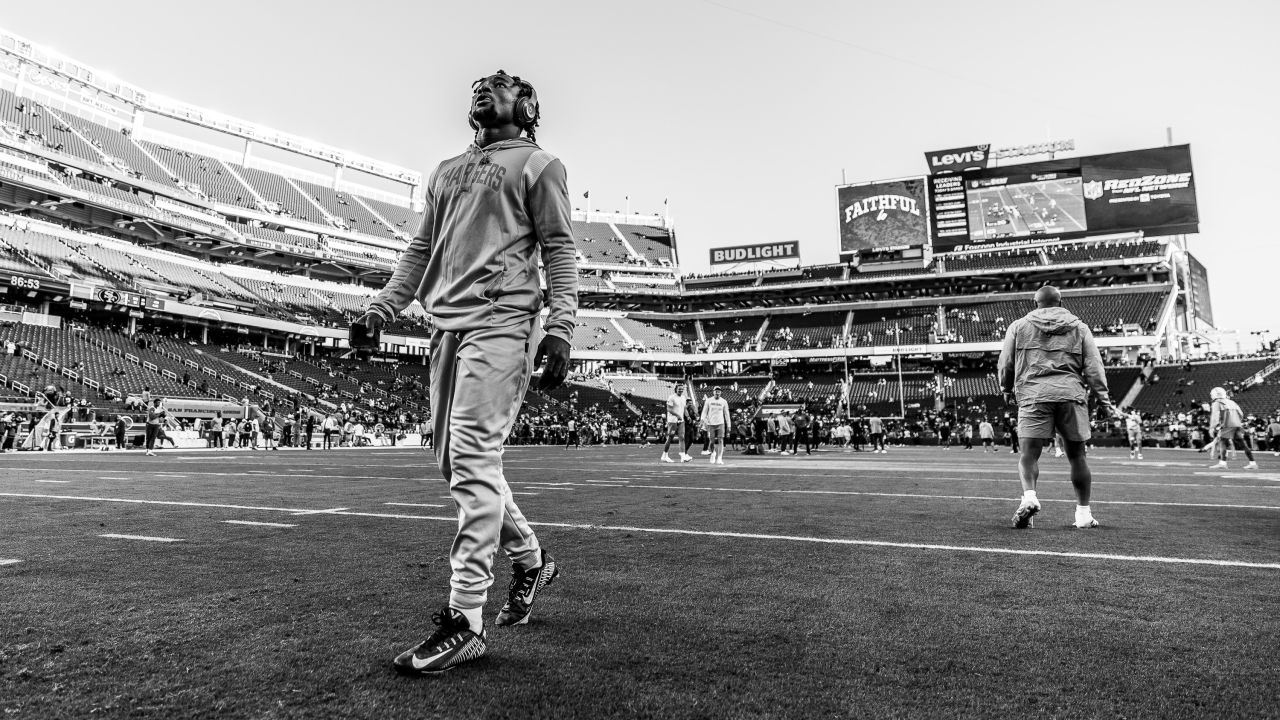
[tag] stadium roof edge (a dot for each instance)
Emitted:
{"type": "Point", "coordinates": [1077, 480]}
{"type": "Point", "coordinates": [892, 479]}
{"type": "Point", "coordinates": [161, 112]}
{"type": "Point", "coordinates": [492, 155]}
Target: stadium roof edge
{"type": "Point", "coordinates": [73, 73]}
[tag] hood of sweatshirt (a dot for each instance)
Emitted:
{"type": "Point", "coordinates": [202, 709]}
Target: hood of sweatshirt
{"type": "Point", "coordinates": [502, 145]}
{"type": "Point", "coordinates": [1052, 320]}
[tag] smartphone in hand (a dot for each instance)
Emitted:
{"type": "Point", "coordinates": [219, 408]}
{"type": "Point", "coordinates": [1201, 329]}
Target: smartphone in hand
{"type": "Point", "coordinates": [362, 337]}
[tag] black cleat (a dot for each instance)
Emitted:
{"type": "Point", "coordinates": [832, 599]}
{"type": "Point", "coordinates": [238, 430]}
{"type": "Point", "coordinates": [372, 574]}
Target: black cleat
{"type": "Point", "coordinates": [525, 586]}
{"type": "Point", "coordinates": [452, 644]}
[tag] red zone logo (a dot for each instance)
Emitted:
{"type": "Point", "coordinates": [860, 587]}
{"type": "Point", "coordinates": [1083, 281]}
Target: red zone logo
{"type": "Point", "coordinates": [1144, 185]}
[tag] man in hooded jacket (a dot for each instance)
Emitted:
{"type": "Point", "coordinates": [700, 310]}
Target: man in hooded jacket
{"type": "Point", "coordinates": [1049, 363]}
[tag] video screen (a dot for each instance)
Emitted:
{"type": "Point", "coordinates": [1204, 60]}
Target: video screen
{"type": "Point", "coordinates": [1018, 206]}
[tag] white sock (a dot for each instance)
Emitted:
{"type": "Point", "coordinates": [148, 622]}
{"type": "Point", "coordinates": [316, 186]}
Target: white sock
{"type": "Point", "coordinates": [1082, 511]}
{"type": "Point", "coordinates": [1029, 495]}
{"type": "Point", "coordinates": [475, 618]}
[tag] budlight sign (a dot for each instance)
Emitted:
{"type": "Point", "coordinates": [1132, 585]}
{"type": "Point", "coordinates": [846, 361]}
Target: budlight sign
{"type": "Point", "coordinates": [768, 252]}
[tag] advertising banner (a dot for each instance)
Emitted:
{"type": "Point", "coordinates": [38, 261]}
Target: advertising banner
{"type": "Point", "coordinates": [970, 157]}
{"type": "Point", "coordinates": [1141, 189]}
{"type": "Point", "coordinates": [1198, 290]}
{"type": "Point", "coordinates": [889, 215]}
{"type": "Point", "coordinates": [789, 250]}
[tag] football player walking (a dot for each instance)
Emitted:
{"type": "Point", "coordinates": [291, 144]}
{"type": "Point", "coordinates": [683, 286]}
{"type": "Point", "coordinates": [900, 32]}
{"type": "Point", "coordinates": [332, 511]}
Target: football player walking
{"type": "Point", "coordinates": [473, 265]}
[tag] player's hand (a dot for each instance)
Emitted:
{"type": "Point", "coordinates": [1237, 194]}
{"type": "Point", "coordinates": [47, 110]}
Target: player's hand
{"type": "Point", "coordinates": [556, 353]}
{"type": "Point", "coordinates": [371, 323]}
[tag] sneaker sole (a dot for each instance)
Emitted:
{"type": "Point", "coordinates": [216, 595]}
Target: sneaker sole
{"type": "Point", "coordinates": [1021, 521]}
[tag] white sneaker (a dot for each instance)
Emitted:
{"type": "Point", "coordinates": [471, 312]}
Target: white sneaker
{"type": "Point", "coordinates": [720, 462]}
{"type": "Point", "coordinates": [1026, 511]}
{"type": "Point", "coordinates": [667, 458]}
{"type": "Point", "coordinates": [706, 452]}
{"type": "Point", "coordinates": [1130, 454]}
{"type": "Point", "coordinates": [713, 459]}
{"type": "Point", "coordinates": [150, 454]}
{"type": "Point", "coordinates": [686, 458]}
{"type": "Point", "coordinates": [786, 452]}
{"type": "Point", "coordinates": [1222, 465]}
{"type": "Point", "coordinates": [1085, 522]}
{"type": "Point", "coordinates": [1058, 453]}
{"type": "Point", "coordinates": [1253, 465]}
{"type": "Point", "coordinates": [1139, 456]}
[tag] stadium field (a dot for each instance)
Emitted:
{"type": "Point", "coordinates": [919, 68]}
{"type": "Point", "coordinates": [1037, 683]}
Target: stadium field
{"type": "Point", "coordinates": [240, 584]}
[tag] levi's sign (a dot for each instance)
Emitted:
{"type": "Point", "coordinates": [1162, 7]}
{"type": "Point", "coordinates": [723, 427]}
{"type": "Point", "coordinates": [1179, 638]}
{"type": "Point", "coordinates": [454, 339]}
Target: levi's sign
{"type": "Point", "coordinates": [958, 159]}
{"type": "Point", "coordinates": [789, 250]}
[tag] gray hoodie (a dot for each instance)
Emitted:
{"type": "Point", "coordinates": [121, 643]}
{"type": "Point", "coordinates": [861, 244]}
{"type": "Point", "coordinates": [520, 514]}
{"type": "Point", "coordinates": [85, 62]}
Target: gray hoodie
{"type": "Point", "coordinates": [1050, 356]}
{"type": "Point", "coordinates": [474, 262]}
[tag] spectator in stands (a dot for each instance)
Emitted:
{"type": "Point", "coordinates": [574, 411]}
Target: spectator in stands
{"type": "Point", "coordinates": [1048, 364]}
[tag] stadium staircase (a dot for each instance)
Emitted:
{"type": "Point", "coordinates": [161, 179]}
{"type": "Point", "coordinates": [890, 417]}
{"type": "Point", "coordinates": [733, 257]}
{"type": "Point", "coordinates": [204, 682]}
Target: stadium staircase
{"type": "Point", "coordinates": [618, 326]}
{"type": "Point", "coordinates": [1131, 396]}
{"type": "Point", "coordinates": [630, 249]}
{"type": "Point", "coordinates": [759, 341]}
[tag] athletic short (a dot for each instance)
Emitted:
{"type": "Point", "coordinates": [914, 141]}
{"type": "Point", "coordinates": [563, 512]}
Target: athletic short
{"type": "Point", "coordinates": [675, 428]}
{"type": "Point", "coordinates": [1234, 433]}
{"type": "Point", "coordinates": [1135, 437]}
{"type": "Point", "coordinates": [1039, 421]}
{"type": "Point", "coordinates": [715, 432]}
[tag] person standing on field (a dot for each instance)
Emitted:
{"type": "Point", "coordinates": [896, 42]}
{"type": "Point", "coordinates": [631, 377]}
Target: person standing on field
{"type": "Point", "coordinates": [491, 213]}
{"type": "Point", "coordinates": [988, 434]}
{"type": "Point", "coordinates": [675, 425]}
{"type": "Point", "coordinates": [716, 418]}
{"type": "Point", "coordinates": [1226, 422]}
{"type": "Point", "coordinates": [1048, 365]}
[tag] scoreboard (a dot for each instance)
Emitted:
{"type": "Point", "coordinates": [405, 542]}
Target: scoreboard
{"type": "Point", "coordinates": [1149, 190]}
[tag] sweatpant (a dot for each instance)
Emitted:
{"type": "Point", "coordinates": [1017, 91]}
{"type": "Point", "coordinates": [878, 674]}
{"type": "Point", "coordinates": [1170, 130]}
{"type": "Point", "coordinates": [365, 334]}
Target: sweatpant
{"type": "Point", "coordinates": [478, 382]}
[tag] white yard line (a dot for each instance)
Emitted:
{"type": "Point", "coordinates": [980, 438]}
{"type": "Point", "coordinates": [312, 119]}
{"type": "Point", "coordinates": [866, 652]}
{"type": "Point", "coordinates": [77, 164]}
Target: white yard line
{"type": "Point", "coordinates": [141, 537]}
{"type": "Point", "coordinates": [53, 481]}
{"type": "Point", "coordinates": [698, 533]}
{"type": "Point", "coordinates": [413, 505]}
{"type": "Point", "coordinates": [264, 524]}
{"type": "Point", "coordinates": [9, 562]}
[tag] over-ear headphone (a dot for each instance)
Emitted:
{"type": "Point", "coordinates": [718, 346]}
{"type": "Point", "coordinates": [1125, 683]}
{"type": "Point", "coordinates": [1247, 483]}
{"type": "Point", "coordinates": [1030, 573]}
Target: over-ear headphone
{"type": "Point", "coordinates": [526, 110]}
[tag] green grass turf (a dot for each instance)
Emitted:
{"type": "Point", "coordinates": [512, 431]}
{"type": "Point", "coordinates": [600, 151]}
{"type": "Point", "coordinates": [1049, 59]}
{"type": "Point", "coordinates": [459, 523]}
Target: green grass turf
{"type": "Point", "coordinates": [247, 621]}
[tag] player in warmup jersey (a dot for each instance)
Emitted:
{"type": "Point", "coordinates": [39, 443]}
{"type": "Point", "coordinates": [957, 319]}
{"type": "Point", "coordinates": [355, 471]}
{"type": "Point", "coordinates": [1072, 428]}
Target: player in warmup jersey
{"type": "Point", "coordinates": [491, 212]}
{"type": "Point", "coordinates": [1133, 426]}
{"type": "Point", "coordinates": [988, 434]}
{"type": "Point", "coordinates": [1226, 423]}
{"type": "Point", "coordinates": [877, 434]}
{"type": "Point", "coordinates": [715, 417]}
{"type": "Point", "coordinates": [675, 425]}
{"type": "Point", "coordinates": [1048, 364]}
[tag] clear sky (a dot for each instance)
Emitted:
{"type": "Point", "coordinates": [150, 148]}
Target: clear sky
{"type": "Point", "coordinates": [743, 113]}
